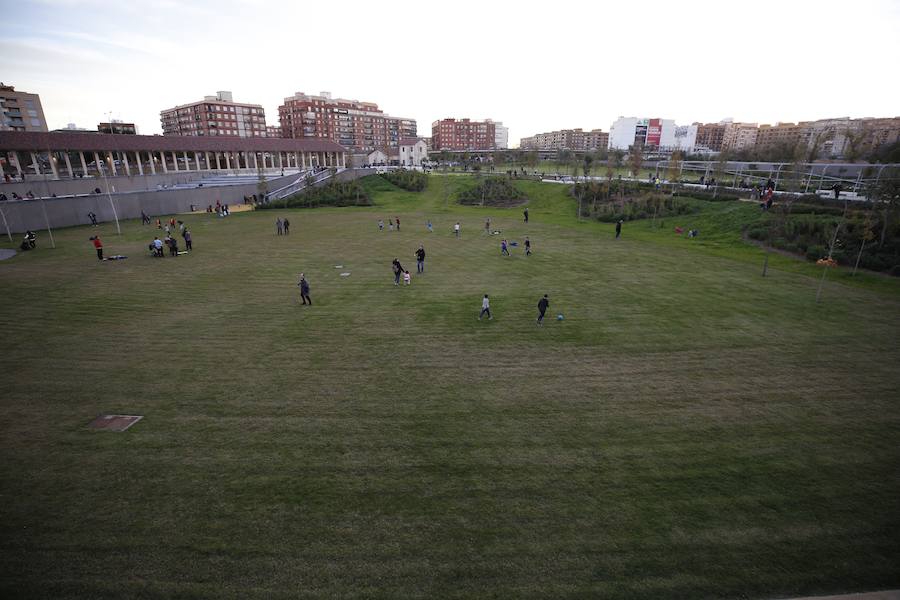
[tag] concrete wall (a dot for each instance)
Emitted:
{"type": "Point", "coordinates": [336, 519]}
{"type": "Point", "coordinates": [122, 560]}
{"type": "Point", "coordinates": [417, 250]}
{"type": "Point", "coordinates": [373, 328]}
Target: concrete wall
{"type": "Point", "coordinates": [22, 215]}
{"type": "Point", "coordinates": [67, 187]}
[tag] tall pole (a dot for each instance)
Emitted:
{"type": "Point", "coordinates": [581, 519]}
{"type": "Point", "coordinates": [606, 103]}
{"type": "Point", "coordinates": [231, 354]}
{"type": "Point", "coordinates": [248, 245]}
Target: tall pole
{"type": "Point", "coordinates": [108, 195]}
{"type": "Point", "coordinates": [47, 221]}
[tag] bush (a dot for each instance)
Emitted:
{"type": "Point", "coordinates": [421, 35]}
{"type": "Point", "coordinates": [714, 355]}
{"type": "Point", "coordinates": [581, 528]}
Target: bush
{"type": "Point", "coordinates": [334, 193]}
{"type": "Point", "coordinates": [413, 181]}
{"type": "Point", "coordinates": [493, 191]}
{"type": "Point", "coordinates": [632, 203]}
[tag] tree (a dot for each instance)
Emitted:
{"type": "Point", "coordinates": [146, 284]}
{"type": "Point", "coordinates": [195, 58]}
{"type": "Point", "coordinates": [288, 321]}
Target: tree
{"type": "Point", "coordinates": [564, 157]}
{"type": "Point", "coordinates": [636, 159]}
{"type": "Point", "coordinates": [675, 166]}
{"type": "Point", "coordinates": [885, 192]}
{"type": "Point", "coordinates": [587, 161]}
{"type": "Point", "coordinates": [855, 140]}
{"type": "Point", "coordinates": [613, 162]}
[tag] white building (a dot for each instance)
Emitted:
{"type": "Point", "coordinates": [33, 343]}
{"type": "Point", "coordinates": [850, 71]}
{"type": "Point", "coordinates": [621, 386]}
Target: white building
{"type": "Point", "coordinates": [377, 157]}
{"type": "Point", "coordinates": [652, 133]}
{"type": "Point", "coordinates": [412, 152]}
{"type": "Point", "coordinates": [685, 138]}
{"type": "Point", "coordinates": [501, 135]}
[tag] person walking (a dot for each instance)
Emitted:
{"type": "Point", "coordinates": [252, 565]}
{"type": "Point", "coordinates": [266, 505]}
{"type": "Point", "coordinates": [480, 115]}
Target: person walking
{"type": "Point", "coordinates": [398, 271]}
{"type": "Point", "coordinates": [279, 226]}
{"type": "Point", "coordinates": [398, 222]}
{"type": "Point", "coordinates": [429, 226]}
{"type": "Point", "coordinates": [420, 259]}
{"type": "Point", "coordinates": [456, 229]}
{"type": "Point", "coordinates": [504, 248]}
{"type": "Point", "coordinates": [93, 218]}
{"type": "Point", "coordinates": [390, 224]}
{"type": "Point", "coordinates": [487, 226]}
{"type": "Point", "coordinates": [304, 289]}
{"type": "Point", "coordinates": [543, 305]}
{"type": "Point", "coordinates": [618, 228]}
{"type": "Point", "coordinates": [525, 212]}
{"type": "Point", "coordinates": [287, 227]}
{"type": "Point", "coordinates": [98, 246]}
{"type": "Point", "coordinates": [486, 308]}
{"type": "Point", "coordinates": [406, 278]}
{"type": "Point", "coordinates": [145, 220]}
{"type": "Point", "coordinates": [527, 246]}
{"type": "Point", "coordinates": [187, 240]}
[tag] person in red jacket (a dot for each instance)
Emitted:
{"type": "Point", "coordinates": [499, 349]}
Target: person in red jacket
{"type": "Point", "coordinates": [98, 245]}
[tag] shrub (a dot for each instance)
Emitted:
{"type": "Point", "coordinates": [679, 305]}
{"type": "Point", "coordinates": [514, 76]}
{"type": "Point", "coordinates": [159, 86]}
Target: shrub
{"type": "Point", "coordinates": [493, 191]}
{"type": "Point", "coordinates": [334, 193]}
{"type": "Point", "coordinates": [413, 181]}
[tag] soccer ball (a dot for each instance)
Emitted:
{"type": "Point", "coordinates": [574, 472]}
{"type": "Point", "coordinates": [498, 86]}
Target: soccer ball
{"type": "Point", "coordinates": [559, 317]}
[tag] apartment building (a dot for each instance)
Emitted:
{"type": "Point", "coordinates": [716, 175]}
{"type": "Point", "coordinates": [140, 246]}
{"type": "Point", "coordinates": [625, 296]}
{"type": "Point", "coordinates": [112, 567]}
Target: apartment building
{"type": "Point", "coordinates": [356, 125]}
{"type": "Point", "coordinates": [710, 136]}
{"type": "Point", "coordinates": [463, 134]}
{"type": "Point", "coordinates": [501, 135]}
{"type": "Point", "coordinates": [215, 115]}
{"type": "Point", "coordinates": [739, 136]}
{"type": "Point", "coordinates": [577, 140]}
{"type": "Point", "coordinates": [20, 111]}
{"type": "Point", "coordinates": [273, 131]}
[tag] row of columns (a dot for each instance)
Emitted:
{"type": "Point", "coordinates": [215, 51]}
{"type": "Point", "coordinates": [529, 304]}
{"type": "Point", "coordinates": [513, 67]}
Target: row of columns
{"type": "Point", "coordinates": [117, 162]}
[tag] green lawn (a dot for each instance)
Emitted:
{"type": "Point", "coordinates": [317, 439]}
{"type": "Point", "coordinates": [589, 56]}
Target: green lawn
{"type": "Point", "coordinates": [690, 430]}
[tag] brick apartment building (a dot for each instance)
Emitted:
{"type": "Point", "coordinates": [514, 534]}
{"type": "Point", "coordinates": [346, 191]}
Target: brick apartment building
{"type": "Point", "coordinates": [20, 111]}
{"type": "Point", "coordinates": [739, 136]}
{"type": "Point", "coordinates": [463, 134]}
{"type": "Point", "coordinates": [273, 131]}
{"type": "Point", "coordinates": [710, 136]}
{"type": "Point", "coordinates": [356, 125]}
{"type": "Point", "coordinates": [567, 139]}
{"type": "Point", "coordinates": [215, 115]}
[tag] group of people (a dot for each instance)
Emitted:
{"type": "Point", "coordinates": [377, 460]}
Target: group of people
{"type": "Point", "coordinates": [282, 226]}
{"type": "Point", "coordinates": [397, 220]}
{"type": "Point", "coordinates": [157, 246]}
{"type": "Point", "coordinates": [542, 305]}
{"type": "Point", "coordinates": [29, 242]}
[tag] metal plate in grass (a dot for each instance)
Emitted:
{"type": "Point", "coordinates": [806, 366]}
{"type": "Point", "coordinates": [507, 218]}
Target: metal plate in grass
{"type": "Point", "coordinates": [114, 422]}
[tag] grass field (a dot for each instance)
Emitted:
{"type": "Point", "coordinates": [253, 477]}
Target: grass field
{"type": "Point", "coordinates": [690, 430]}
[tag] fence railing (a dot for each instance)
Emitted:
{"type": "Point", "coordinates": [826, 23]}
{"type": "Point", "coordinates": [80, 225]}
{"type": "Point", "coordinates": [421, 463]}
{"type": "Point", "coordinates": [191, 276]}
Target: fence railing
{"type": "Point", "coordinates": [305, 179]}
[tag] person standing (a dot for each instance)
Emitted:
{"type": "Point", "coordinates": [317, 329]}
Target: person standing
{"type": "Point", "coordinates": [398, 222]}
{"type": "Point", "coordinates": [487, 226]}
{"type": "Point", "coordinates": [527, 246]}
{"type": "Point", "coordinates": [504, 248]}
{"type": "Point", "coordinates": [93, 218]}
{"type": "Point", "coordinates": [486, 308]}
{"type": "Point", "coordinates": [429, 226]}
{"type": "Point", "coordinates": [390, 224]}
{"type": "Point", "coordinates": [525, 212]}
{"type": "Point", "coordinates": [618, 228]}
{"type": "Point", "coordinates": [304, 290]}
{"type": "Point", "coordinates": [287, 227]}
{"type": "Point", "coordinates": [543, 305]}
{"type": "Point", "coordinates": [406, 278]}
{"type": "Point", "coordinates": [380, 225]}
{"type": "Point", "coordinates": [158, 247]}
{"type": "Point", "coordinates": [279, 226]}
{"type": "Point", "coordinates": [398, 271]}
{"type": "Point", "coordinates": [420, 259]}
{"type": "Point", "coordinates": [456, 229]}
{"type": "Point", "coordinates": [145, 220]}
{"type": "Point", "coordinates": [187, 240]}
{"type": "Point", "coordinates": [98, 246]}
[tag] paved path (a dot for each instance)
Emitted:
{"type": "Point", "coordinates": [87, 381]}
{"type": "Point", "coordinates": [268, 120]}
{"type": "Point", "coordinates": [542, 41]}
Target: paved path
{"type": "Point", "coordinates": [5, 253]}
{"type": "Point", "coordinates": [884, 595]}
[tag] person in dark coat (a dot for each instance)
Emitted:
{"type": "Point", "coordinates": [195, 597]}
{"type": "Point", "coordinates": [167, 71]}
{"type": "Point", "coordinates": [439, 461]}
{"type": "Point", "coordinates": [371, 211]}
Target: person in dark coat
{"type": "Point", "coordinates": [618, 228]}
{"type": "Point", "coordinates": [525, 212]}
{"type": "Point", "coordinates": [398, 271]}
{"type": "Point", "coordinates": [304, 290]}
{"type": "Point", "coordinates": [420, 259]}
{"type": "Point", "coordinates": [543, 305]}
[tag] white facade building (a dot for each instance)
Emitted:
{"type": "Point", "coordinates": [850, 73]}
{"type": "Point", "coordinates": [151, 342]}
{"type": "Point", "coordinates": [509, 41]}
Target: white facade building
{"type": "Point", "coordinates": [412, 152]}
{"type": "Point", "coordinates": [628, 131]}
{"type": "Point", "coordinates": [685, 138]}
{"type": "Point", "coordinates": [377, 157]}
{"type": "Point", "coordinates": [501, 135]}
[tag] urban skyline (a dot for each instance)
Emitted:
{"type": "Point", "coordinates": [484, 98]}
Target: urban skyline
{"type": "Point", "coordinates": [87, 60]}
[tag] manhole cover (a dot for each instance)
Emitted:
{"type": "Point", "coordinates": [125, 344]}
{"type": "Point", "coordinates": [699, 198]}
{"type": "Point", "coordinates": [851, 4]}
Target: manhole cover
{"type": "Point", "coordinates": [114, 422]}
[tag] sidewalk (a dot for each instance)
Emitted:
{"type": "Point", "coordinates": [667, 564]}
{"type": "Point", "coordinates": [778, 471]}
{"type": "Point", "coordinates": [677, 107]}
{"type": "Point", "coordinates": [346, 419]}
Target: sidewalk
{"type": "Point", "coordinates": [884, 595]}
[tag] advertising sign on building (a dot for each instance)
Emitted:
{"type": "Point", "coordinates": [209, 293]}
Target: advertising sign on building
{"type": "Point", "coordinates": [654, 132]}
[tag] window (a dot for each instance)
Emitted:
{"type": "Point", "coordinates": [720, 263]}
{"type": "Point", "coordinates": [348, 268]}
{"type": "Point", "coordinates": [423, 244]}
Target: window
{"type": "Point", "coordinates": [36, 122]}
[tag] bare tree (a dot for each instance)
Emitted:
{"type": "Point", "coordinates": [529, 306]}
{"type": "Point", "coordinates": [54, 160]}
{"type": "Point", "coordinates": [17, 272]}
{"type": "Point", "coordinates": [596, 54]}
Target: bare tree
{"type": "Point", "coordinates": [636, 159]}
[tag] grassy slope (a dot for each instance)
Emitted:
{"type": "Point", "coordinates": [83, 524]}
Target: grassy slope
{"type": "Point", "coordinates": [690, 429]}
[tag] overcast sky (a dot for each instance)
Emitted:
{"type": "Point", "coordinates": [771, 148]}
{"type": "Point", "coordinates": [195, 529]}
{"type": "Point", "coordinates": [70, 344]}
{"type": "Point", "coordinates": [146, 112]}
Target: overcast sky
{"type": "Point", "coordinates": [536, 66]}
